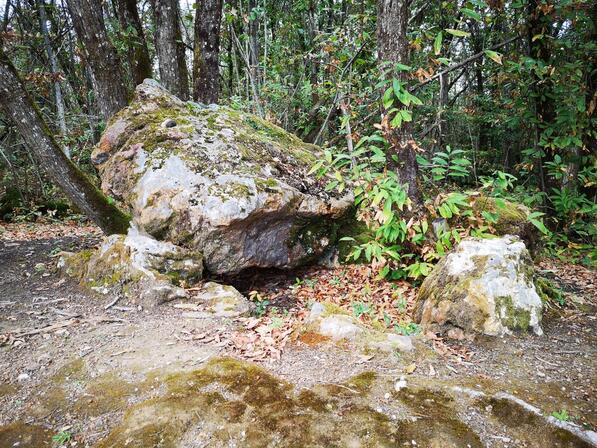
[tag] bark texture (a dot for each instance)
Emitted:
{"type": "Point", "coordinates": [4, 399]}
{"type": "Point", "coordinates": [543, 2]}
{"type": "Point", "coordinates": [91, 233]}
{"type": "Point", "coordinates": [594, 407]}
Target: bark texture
{"type": "Point", "coordinates": [170, 48]}
{"type": "Point", "coordinates": [393, 47]}
{"type": "Point", "coordinates": [18, 106]}
{"type": "Point", "coordinates": [137, 52]}
{"type": "Point", "coordinates": [107, 77]}
{"type": "Point", "coordinates": [206, 73]}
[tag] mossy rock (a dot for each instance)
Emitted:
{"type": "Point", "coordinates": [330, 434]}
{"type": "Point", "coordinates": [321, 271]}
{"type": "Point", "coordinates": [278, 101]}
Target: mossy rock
{"type": "Point", "coordinates": [136, 266]}
{"type": "Point", "coordinates": [511, 220]}
{"type": "Point", "coordinates": [483, 286]}
{"type": "Point", "coordinates": [218, 181]}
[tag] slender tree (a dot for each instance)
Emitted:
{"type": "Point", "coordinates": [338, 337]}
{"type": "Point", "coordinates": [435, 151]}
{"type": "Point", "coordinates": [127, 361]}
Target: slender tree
{"type": "Point", "coordinates": [16, 103]}
{"type": "Point", "coordinates": [137, 52]}
{"type": "Point", "coordinates": [206, 73]}
{"type": "Point", "coordinates": [393, 48]}
{"type": "Point", "coordinates": [43, 21]}
{"type": "Point", "coordinates": [254, 49]}
{"type": "Point", "coordinates": [170, 47]}
{"type": "Point", "coordinates": [107, 78]}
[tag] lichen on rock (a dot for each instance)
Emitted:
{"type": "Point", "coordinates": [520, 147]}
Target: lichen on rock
{"type": "Point", "coordinates": [483, 286]}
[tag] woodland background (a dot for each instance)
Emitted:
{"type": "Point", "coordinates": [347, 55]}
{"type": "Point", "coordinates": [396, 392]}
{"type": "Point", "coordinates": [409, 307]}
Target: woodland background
{"type": "Point", "coordinates": [423, 105]}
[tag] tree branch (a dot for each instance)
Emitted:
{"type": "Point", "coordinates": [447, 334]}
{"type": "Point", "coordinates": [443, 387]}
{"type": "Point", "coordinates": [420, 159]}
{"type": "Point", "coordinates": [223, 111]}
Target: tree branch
{"type": "Point", "coordinates": [463, 63]}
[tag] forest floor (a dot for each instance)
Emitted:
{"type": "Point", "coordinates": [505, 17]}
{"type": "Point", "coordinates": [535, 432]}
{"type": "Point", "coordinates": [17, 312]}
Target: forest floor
{"type": "Point", "coordinates": [79, 369]}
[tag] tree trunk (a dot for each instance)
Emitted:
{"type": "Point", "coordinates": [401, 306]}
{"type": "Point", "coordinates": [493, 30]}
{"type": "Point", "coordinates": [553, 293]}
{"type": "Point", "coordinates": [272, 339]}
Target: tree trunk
{"type": "Point", "coordinates": [137, 52]}
{"type": "Point", "coordinates": [16, 103]}
{"type": "Point", "coordinates": [169, 45]}
{"type": "Point", "coordinates": [254, 43]}
{"type": "Point", "coordinates": [392, 48]}
{"type": "Point", "coordinates": [43, 21]}
{"type": "Point", "coordinates": [106, 72]}
{"type": "Point", "coordinates": [538, 24]}
{"type": "Point", "coordinates": [206, 63]}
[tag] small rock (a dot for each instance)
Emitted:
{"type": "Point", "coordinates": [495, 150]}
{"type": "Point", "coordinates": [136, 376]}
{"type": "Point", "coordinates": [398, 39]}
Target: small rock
{"type": "Point", "coordinates": [393, 342]}
{"type": "Point", "coordinates": [400, 384]}
{"type": "Point", "coordinates": [40, 267]}
{"type": "Point", "coordinates": [221, 301]}
{"type": "Point", "coordinates": [169, 123]}
{"type": "Point", "coordinates": [317, 309]}
{"type": "Point", "coordinates": [23, 377]}
{"type": "Point", "coordinates": [483, 286]}
{"type": "Point", "coordinates": [339, 326]}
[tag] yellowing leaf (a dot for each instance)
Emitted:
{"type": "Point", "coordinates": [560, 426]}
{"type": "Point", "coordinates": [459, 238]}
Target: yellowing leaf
{"type": "Point", "coordinates": [494, 56]}
{"type": "Point", "coordinates": [458, 33]}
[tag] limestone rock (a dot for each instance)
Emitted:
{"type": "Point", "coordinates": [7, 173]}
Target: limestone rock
{"type": "Point", "coordinates": [217, 181]}
{"type": "Point", "coordinates": [136, 265]}
{"type": "Point", "coordinates": [339, 326]}
{"type": "Point", "coordinates": [342, 327]}
{"type": "Point", "coordinates": [393, 342]}
{"type": "Point", "coordinates": [483, 286]}
{"type": "Point", "coordinates": [216, 300]}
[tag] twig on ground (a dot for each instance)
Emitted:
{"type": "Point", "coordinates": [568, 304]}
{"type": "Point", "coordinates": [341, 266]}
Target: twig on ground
{"type": "Point", "coordinates": [122, 352]}
{"type": "Point", "coordinates": [112, 303]}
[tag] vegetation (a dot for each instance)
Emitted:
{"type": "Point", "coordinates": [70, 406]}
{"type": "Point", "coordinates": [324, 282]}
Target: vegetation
{"type": "Point", "coordinates": [425, 109]}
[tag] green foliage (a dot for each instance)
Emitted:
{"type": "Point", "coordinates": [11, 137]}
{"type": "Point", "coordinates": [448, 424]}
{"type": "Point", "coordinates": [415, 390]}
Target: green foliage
{"type": "Point", "coordinates": [407, 329]}
{"type": "Point", "coordinates": [447, 165]}
{"type": "Point", "coordinates": [361, 308]}
{"type": "Point", "coordinates": [562, 415]}
{"type": "Point", "coordinates": [261, 304]}
{"type": "Point", "coordinates": [61, 438]}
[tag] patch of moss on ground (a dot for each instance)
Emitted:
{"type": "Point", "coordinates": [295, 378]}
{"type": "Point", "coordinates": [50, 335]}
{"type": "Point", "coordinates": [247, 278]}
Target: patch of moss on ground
{"type": "Point", "coordinates": [238, 403]}
{"type": "Point", "coordinates": [20, 434]}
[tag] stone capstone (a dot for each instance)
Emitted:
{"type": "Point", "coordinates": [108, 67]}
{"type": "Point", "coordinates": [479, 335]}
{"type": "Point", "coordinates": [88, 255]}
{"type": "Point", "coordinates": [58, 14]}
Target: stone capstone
{"type": "Point", "coordinates": [219, 182]}
{"type": "Point", "coordinates": [483, 286]}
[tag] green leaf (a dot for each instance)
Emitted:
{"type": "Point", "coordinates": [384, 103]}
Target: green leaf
{"type": "Point", "coordinates": [397, 86]}
{"type": "Point", "coordinates": [347, 238]}
{"type": "Point", "coordinates": [403, 68]}
{"type": "Point", "coordinates": [396, 121]}
{"type": "Point", "coordinates": [494, 56]}
{"type": "Point", "coordinates": [437, 43]}
{"type": "Point", "coordinates": [472, 14]}
{"type": "Point", "coordinates": [458, 33]}
{"type": "Point", "coordinates": [406, 115]}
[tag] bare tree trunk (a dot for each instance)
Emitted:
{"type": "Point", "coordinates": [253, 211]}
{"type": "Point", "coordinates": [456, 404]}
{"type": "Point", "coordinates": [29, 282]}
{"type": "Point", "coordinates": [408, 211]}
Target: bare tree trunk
{"type": "Point", "coordinates": [169, 45]}
{"type": "Point", "coordinates": [206, 73]}
{"type": "Point", "coordinates": [254, 43]}
{"type": "Point", "coordinates": [106, 72]}
{"type": "Point", "coordinates": [43, 21]}
{"type": "Point", "coordinates": [6, 16]}
{"type": "Point", "coordinates": [138, 54]}
{"type": "Point", "coordinates": [16, 103]}
{"type": "Point", "coordinates": [393, 47]}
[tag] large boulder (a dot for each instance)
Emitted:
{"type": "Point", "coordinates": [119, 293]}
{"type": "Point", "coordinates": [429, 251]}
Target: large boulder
{"type": "Point", "coordinates": [217, 181]}
{"type": "Point", "coordinates": [483, 286]}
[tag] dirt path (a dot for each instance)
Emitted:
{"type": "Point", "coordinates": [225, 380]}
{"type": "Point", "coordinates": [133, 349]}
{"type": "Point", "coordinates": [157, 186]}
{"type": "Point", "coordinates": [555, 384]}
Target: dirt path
{"type": "Point", "coordinates": [122, 376]}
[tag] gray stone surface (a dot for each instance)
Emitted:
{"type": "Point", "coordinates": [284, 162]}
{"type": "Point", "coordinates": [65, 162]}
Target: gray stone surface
{"type": "Point", "coordinates": [482, 286]}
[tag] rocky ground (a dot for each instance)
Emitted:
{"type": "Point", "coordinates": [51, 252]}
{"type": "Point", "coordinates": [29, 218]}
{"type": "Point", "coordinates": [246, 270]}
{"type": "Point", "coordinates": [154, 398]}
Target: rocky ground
{"type": "Point", "coordinates": [82, 369]}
